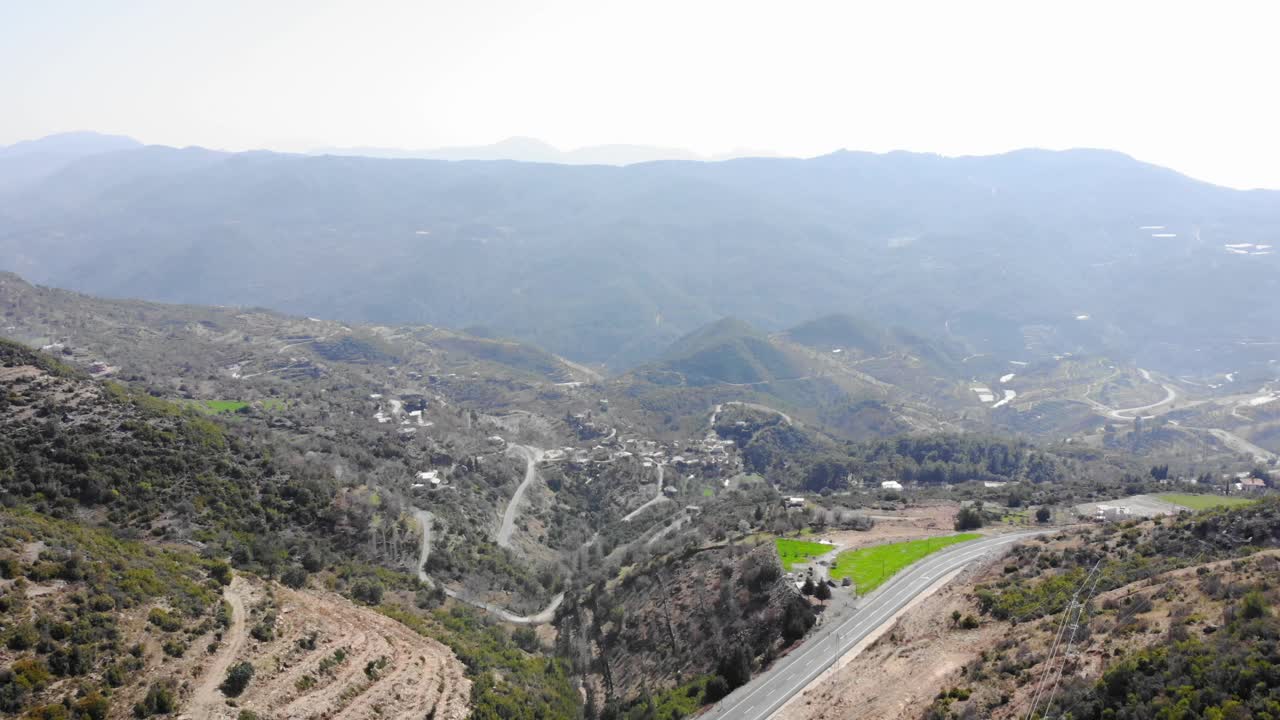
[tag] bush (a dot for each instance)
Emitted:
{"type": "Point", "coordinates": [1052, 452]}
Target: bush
{"type": "Point", "coordinates": [160, 700]}
{"type": "Point", "coordinates": [164, 620]}
{"type": "Point", "coordinates": [23, 637]}
{"type": "Point", "coordinates": [295, 577]}
{"type": "Point", "coordinates": [92, 706]}
{"type": "Point", "coordinates": [237, 680]}
{"type": "Point", "coordinates": [969, 518]}
{"type": "Point", "coordinates": [1043, 515]}
{"type": "Point", "coordinates": [221, 572]}
{"type": "Point", "coordinates": [266, 630]}
{"type": "Point", "coordinates": [367, 591]}
{"type": "Point", "coordinates": [526, 638]}
{"type": "Point", "coordinates": [717, 688]}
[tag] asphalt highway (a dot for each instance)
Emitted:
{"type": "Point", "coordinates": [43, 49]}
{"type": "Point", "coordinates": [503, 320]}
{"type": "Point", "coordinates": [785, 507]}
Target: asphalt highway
{"type": "Point", "coordinates": [761, 697]}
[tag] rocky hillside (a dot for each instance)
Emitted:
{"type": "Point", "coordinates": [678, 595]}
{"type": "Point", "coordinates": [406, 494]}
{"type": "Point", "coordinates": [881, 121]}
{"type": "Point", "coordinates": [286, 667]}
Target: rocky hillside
{"type": "Point", "coordinates": [699, 622]}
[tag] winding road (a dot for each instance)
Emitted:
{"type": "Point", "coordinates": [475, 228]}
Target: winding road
{"type": "Point", "coordinates": [1171, 394]}
{"type": "Point", "coordinates": [531, 457]}
{"type": "Point", "coordinates": [657, 498]}
{"type": "Point", "coordinates": [769, 691]}
{"type": "Point", "coordinates": [541, 617]}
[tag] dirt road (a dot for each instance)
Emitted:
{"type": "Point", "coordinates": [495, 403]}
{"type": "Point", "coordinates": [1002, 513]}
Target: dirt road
{"type": "Point", "coordinates": [657, 498]}
{"type": "Point", "coordinates": [531, 457]}
{"type": "Point", "coordinates": [207, 701]}
{"type": "Point", "coordinates": [425, 520]}
{"type": "Point", "coordinates": [541, 617]}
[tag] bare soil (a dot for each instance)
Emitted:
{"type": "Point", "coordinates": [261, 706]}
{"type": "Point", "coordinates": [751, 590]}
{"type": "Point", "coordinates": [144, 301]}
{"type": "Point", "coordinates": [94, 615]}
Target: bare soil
{"type": "Point", "coordinates": [386, 671]}
{"type": "Point", "coordinates": [893, 526]}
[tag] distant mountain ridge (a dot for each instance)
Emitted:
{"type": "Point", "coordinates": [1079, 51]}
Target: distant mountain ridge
{"type": "Point", "coordinates": [1020, 256]}
{"type": "Point", "coordinates": [524, 149]}
{"type": "Point", "coordinates": [32, 160]}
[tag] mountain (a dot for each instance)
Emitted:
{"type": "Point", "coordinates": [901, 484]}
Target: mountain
{"type": "Point", "coordinates": [730, 352]}
{"type": "Point", "coordinates": [32, 160]}
{"type": "Point", "coordinates": [525, 149]}
{"type": "Point", "coordinates": [1020, 257]}
{"type": "Point", "coordinates": [846, 333]}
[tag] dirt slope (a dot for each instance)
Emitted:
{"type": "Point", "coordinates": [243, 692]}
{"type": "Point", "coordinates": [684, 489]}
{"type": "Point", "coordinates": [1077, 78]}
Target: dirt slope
{"type": "Point", "coordinates": [328, 658]}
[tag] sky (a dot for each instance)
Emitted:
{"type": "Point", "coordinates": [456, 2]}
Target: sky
{"type": "Point", "coordinates": [1188, 85]}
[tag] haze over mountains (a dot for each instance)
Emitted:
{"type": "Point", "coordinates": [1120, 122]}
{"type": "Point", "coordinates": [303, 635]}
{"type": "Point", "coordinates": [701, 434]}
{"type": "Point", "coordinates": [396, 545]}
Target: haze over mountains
{"type": "Point", "coordinates": [1017, 256]}
{"type": "Point", "coordinates": [526, 149]}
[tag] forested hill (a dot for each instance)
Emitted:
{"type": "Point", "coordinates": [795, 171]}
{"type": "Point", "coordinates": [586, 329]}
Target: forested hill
{"type": "Point", "coordinates": [1021, 256]}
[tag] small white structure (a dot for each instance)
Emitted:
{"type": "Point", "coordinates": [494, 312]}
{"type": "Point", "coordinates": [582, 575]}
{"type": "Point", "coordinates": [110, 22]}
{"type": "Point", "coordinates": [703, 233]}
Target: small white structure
{"type": "Point", "coordinates": [1113, 513]}
{"type": "Point", "coordinates": [890, 485]}
{"type": "Point", "coordinates": [795, 502]}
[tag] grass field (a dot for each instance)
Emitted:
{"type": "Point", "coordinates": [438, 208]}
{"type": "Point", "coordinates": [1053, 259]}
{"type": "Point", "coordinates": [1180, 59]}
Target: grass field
{"type": "Point", "coordinates": [1204, 502]}
{"type": "Point", "coordinates": [870, 567]}
{"type": "Point", "coordinates": [215, 407]}
{"type": "Point", "coordinates": [798, 551]}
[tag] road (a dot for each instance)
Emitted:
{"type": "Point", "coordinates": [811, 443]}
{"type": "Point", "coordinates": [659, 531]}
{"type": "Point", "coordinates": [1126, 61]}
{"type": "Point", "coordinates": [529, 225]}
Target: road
{"type": "Point", "coordinates": [207, 701]}
{"type": "Point", "coordinates": [657, 498]}
{"type": "Point", "coordinates": [541, 617]}
{"type": "Point", "coordinates": [1171, 394]}
{"type": "Point", "coordinates": [531, 457]}
{"type": "Point", "coordinates": [1240, 445]}
{"type": "Point", "coordinates": [760, 698]}
{"type": "Point", "coordinates": [424, 519]}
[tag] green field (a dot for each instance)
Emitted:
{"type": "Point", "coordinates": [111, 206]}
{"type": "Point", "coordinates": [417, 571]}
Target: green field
{"type": "Point", "coordinates": [869, 567]}
{"type": "Point", "coordinates": [798, 551]}
{"type": "Point", "coordinates": [1204, 502]}
{"type": "Point", "coordinates": [215, 407]}
{"type": "Point", "coordinates": [218, 407]}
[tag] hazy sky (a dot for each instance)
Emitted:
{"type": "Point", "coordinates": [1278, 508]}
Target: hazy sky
{"type": "Point", "coordinates": [1191, 85]}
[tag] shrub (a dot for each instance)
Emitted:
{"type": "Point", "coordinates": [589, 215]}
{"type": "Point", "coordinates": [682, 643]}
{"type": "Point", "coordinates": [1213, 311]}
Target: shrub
{"type": "Point", "coordinates": [164, 620]}
{"type": "Point", "coordinates": [969, 518]}
{"type": "Point", "coordinates": [160, 700]}
{"type": "Point", "coordinates": [237, 679]}
{"type": "Point", "coordinates": [295, 577]}
{"type": "Point", "coordinates": [23, 637]}
{"type": "Point", "coordinates": [526, 638]}
{"type": "Point", "coordinates": [220, 572]}
{"type": "Point", "coordinates": [367, 591]}
{"type": "Point", "coordinates": [92, 706]}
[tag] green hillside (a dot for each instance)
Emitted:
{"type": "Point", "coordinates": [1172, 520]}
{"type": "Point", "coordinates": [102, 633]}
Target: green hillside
{"type": "Point", "coordinates": [729, 351]}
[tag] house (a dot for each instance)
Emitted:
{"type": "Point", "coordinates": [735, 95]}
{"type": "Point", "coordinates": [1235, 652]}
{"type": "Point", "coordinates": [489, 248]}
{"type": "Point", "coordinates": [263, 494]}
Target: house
{"type": "Point", "coordinates": [1252, 484]}
{"type": "Point", "coordinates": [795, 502]}
{"type": "Point", "coordinates": [693, 509]}
{"type": "Point", "coordinates": [1112, 513]}
{"type": "Point", "coordinates": [890, 485]}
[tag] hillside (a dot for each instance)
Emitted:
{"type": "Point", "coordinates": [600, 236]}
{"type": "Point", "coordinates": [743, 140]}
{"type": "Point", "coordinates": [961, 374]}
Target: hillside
{"type": "Point", "coordinates": [118, 628]}
{"type": "Point", "coordinates": [1021, 256]}
{"type": "Point", "coordinates": [728, 352]}
{"type": "Point", "coordinates": [865, 340]}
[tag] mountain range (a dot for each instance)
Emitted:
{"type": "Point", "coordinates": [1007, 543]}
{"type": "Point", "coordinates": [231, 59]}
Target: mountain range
{"type": "Point", "coordinates": [1016, 257]}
